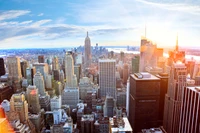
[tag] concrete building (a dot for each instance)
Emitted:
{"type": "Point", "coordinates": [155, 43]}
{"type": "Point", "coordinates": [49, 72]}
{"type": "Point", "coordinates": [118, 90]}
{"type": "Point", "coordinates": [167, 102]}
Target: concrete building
{"type": "Point", "coordinates": [48, 81]}
{"type": "Point", "coordinates": [70, 96]}
{"type": "Point", "coordinates": [55, 103]}
{"type": "Point", "coordinates": [42, 68]}
{"type": "Point", "coordinates": [55, 63]}
{"type": "Point", "coordinates": [5, 92]}
{"type": "Point", "coordinates": [144, 101]}
{"type": "Point", "coordinates": [190, 108]}
{"type": "Point", "coordinates": [125, 73]}
{"type": "Point", "coordinates": [120, 125]}
{"type": "Point", "coordinates": [107, 79]}
{"type": "Point", "coordinates": [77, 72]}
{"type": "Point", "coordinates": [19, 105]}
{"type": "Point", "coordinates": [41, 59]}
{"type": "Point", "coordinates": [87, 52]}
{"type": "Point", "coordinates": [14, 70]}
{"type": "Point", "coordinates": [86, 85]}
{"type": "Point", "coordinates": [30, 72]}
{"type": "Point", "coordinates": [38, 81]}
{"type": "Point", "coordinates": [71, 80]}
{"type": "Point", "coordinates": [24, 66]}
{"type": "Point", "coordinates": [173, 98]}
{"type": "Point", "coordinates": [102, 125]}
{"type": "Point", "coordinates": [109, 106]}
{"type": "Point", "coordinates": [2, 67]}
{"type": "Point", "coordinates": [87, 124]}
{"type": "Point", "coordinates": [33, 100]}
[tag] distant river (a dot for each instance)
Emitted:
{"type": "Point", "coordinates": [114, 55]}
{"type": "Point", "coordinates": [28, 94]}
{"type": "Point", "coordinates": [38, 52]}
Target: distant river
{"type": "Point", "coordinates": [118, 50]}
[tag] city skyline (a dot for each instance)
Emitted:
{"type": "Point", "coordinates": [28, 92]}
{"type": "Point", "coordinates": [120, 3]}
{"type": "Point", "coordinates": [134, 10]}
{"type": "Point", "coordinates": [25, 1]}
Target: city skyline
{"type": "Point", "coordinates": [41, 24]}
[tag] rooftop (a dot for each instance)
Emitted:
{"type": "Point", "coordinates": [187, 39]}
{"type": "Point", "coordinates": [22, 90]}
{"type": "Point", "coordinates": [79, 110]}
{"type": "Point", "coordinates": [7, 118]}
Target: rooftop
{"type": "Point", "coordinates": [144, 76]}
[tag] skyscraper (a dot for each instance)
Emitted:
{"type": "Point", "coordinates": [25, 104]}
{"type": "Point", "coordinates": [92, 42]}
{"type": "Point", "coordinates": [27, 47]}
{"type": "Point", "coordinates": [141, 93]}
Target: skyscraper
{"type": "Point", "coordinates": [71, 80]}
{"type": "Point", "coordinates": [14, 69]}
{"type": "Point", "coordinates": [41, 58]}
{"type": "Point", "coordinates": [87, 51]}
{"type": "Point", "coordinates": [144, 102]}
{"type": "Point", "coordinates": [173, 98]}
{"type": "Point", "coordinates": [24, 65]}
{"type": "Point", "coordinates": [190, 111]}
{"type": "Point", "coordinates": [107, 79]}
{"type": "Point", "coordinates": [2, 67]}
{"type": "Point", "coordinates": [55, 63]}
{"type": "Point", "coordinates": [33, 99]}
{"type": "Point", "coordinates": [38, 81]}
{"type": "Point", "coordinates": [19, 105]}
{"type": "Point", "coordinates": [177, 81]}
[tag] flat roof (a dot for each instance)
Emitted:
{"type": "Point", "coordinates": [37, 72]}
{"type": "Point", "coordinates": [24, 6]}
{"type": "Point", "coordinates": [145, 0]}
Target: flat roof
{"type": "Point", "coordinates": [107, 60]}
{"type": "Point", "coordinates": [127, 126]}
{"type": "Point", "coordinates": [141, 79]}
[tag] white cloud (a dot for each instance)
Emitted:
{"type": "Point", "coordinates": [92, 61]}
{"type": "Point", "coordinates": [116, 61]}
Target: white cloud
{"type": "Point", "coordinates": [6, 15]}
{"type": "Point", "coordinates": [40, 22]}
{"type": "Point", "coordinates": [183, 7]}
{"type": "Point", "coordinates": [41, 14]}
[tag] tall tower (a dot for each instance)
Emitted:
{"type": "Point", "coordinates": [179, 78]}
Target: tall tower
{"type": "Point", "coordinates": [107, 79]}
{"type": "Point", "coordinates": [55, 64]}
{"type": "Point", "coordinates": [177, 42]}
{"type": "Point", "coordinates": [19, 105]}
{"type": "Point", "coordinates": [38, 81]}
{"type": "Point", "coordinates": [41, 58]}
{"type": "Point", "coordinates": [173, 98]}
{"type": "Point", "coordinates": [190, 116]}
{"type": "Point", "coordinates": [71, 80]}
{"type": "Point", "coordinates": [87, 50]}
{"type": "Point", "coordinates": [33, 99]}
{"type": "Point", "coordinates": [2, 67]}
{"type": "Point", "coordinates": [14, 69]}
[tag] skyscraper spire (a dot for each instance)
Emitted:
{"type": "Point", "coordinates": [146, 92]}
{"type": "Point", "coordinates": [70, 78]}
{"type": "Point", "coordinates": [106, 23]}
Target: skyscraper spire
{"type": "Point", "coordinates": [177, 42]}
{"type": "Point", "coordinates": [145, 31]}
{"type": "Point", "coordinates": [87, 33]}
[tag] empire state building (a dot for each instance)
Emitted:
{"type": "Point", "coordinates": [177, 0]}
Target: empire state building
{"type": "Point", "coordinates": [87, 50]}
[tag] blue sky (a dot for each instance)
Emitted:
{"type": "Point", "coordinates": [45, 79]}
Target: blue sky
{"type": "Point", "coordinates": [64, 23]}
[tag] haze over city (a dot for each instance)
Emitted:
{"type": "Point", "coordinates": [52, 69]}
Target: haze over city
{"type": "Point", "coordinates": [61, 23]}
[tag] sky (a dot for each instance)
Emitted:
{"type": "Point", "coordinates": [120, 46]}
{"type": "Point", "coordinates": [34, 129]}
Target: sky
{"type": "Point", "coordinates": [64, 23]}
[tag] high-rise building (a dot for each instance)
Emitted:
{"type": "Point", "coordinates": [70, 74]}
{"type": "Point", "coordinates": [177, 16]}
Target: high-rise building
{"type": "Point", "coordinates": [5, 92]}
{"type": "Point", "coordinates": [125, 73]}
{"type": "Point", "coordinates": [56, 75]}
{"type": "Point", "coordinates": [33, 99]}
{"type": "Point", "coordinates": [42, 68]}
{"type": "Point", "coordinates": [19, 105]}
{"type": "Point", "coordinates": [70, 96]}
{"type": "Point", "coordinates": [163, 90]}
{"type": "Point", "coordinates": [102, 125]}
{"type": "Point", "coordinates": [107, 79]}
{"type": "Point", "coordinates": [190, 111]}
{"type": "Point", "coordinates": [144, 101]}
{"type": "Point", "coordinates": [14, 69]}
{"type": "Point", "coordinates": [48, 81]}
{"type": "Point", "coordinates": [109, 106]}
{"type": "Point", "coordinates": [24, 66]}
{"type": "Point", "coordinates": [87, 124]}
{"type": "Point", "coordinates": [2, 67]}
{"type": "Point", "coordinates": [135, 64]}
{"type": "Point", "coordinates": [87, 52]}
{"type": "Point", "coordinates": [38, 81]}
{"type": "Point", "coordinates": [173, 98]}
{"type": "Point", "coordinates": [77, 72]}
{"type": "Point", "coordinates": [71, 80]}
{"type": "Point", "coordinates": [44, 97]}
{"type": "Point", "coordinates": [55, 103]}
{"type": "Point", "coordinates": [30, 72]}
{"type": "Point", "coordinates": [41, 59]}
{"type": "Point", "coordinates": [85, 85]}
{"type": "Point", "coordinates": [147, 54]}
{"type": "Point", "coordinates": [55, 63]}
